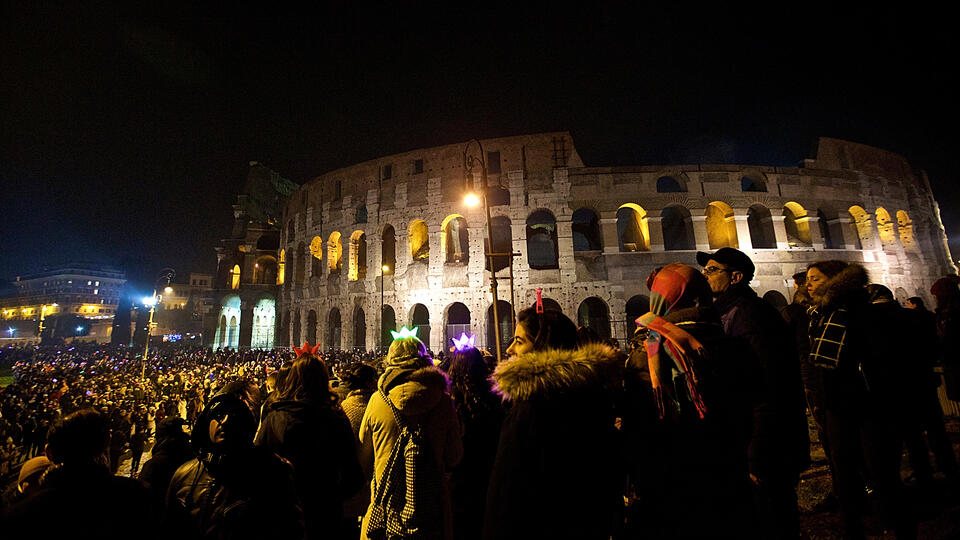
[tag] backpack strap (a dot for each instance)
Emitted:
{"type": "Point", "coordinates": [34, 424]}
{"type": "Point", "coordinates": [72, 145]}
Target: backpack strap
{"type": "Point", "coordinates": [396, 413]}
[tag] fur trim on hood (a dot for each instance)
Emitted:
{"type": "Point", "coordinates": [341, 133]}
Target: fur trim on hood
{"type": "Point", "coordinates": [416, 391]}
{"type": "Point", "coordinates": [843, 287]}
{"type": "Point", "coordinates": [546, 372]}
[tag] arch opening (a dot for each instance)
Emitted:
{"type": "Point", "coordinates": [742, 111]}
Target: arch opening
{"type": "Point", "coordinates": [633, 231]}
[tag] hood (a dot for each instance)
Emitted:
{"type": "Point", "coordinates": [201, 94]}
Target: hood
{"type": "Point", "coordinates": [413, 391]}
{"type": "Point", "coordinates": [540, 373]}
{"type": "Point", "coordinates": [844, 287]}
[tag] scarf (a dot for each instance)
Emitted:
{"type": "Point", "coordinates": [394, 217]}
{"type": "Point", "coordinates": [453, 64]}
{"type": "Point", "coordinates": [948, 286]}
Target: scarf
{"type": "Point", "coordinates": [671, 351]}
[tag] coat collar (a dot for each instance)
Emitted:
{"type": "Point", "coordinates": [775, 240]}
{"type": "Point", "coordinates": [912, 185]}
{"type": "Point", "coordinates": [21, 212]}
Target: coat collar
{"type": "Point", "coordinates": [845, 287]}
{"type": "Point", "coordinates": [542, 373]}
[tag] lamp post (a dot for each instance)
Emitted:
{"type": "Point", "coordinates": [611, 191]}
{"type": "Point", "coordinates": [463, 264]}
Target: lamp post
{"type": "Point", "coordinates": [43, 314]}
{"type": "Point", "coordinates": [383, 272]}
{"type": "Point", "coordinates": [166, 275]}
{"type": "Point", "coordinates": [471, 199]}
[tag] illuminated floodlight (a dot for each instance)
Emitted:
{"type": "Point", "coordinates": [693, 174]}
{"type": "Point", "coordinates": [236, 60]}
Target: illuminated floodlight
{"type": "Point", "coordinates": [149, 301]}
{"type": "Point", "coordinates": [79, 329]}
{"type": "Point", "coordinates": [11, 330]}
{"type": "Point", "coordinates": [471, 200]}
{"type": "Point", "coordinates": [385, 268]}
{"type": "Point", "coordinates": [168, 290]}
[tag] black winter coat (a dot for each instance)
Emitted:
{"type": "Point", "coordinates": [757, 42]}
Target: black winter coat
{"type": "Point", "coordinates": [780, 439]}
{"type": "Point", "coordinates": [320, 444]}
{"type": "Point", "coordinates": [558, 470]}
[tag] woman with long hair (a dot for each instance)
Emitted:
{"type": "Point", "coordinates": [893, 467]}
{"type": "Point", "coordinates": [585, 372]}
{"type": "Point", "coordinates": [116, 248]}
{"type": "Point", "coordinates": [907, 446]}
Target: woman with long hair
{"type": "Point", "coordinates": [305, 426]}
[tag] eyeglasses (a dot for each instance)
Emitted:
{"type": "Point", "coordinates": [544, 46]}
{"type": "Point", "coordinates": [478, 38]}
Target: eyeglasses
{"type": "Point", "coordinates": [714, 269]}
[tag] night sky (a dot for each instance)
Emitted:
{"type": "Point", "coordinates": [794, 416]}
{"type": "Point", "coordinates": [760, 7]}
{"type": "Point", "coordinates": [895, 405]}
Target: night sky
{"type": "Point", "coordinates": [126, 131]}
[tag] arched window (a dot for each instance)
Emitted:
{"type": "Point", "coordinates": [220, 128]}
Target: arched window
{"type": "Point", "coordinates": [458, 320]}
{"type": "Point", "coordinates": [505, 314]}
{"type": "Point", "coordinates": [281, 267]}
{"type": "Point", "coordinates": [636, 306]}
{"type": "Point", "coordinates": [721, 227]}
{"type": "Point", "coordinates": [888, 236]}
{"type": "Point", "coordinates": [419, 240]}
{"type": "Point", "coordinates": [542, 252]}
{"type": "Point", "coordinates": [358, 256]}
{"type": "Point", "coordinates": [502, 242]}
{"type": "Point", "coordinates": [586, 231]}
{"type": "Point", "coordinates": [233, 333]}
{"type": "Point", "coordinates": [593, 313]}
{"type": "Point", "coordinates": [420, 317]}
{"type": "Point", "coordinates": [316, 256]}
{"type": "Point", "coordinates": [861, 226]}
{"type": "Point", "coordinates": [359, 329]}
{"type": "Point", "coordinates": [748, 183]}
{"type": "Point", "coordinates": [312, 327]}
{"type": "Point", "coordinates": [633, 231]}
{"type": "Point", "coordinates": [677, 227]}
{"type": "Point", "coordinates": [264, 319]}
{"type": "Point", "coordinates": [388, 322]}
{"type": "Point", "coordinates": [667, 184]}
{"type": "Point", "coordinates": [299, 264]}
{"type": "Point", "coordinates": [335, 253]}
{"type": "Point", "coordinates": [830, 233]}
{"type": "Point", "coordinates": [388, 249]}
{"type": "Point", "coordinates": [905, 226]}
{"type": "Point", "coordinates": [235, 277]}
{"type": "Point", "coordinates": [456, 239]}
{"type": "Point", "coordinates": [362, 214]}
{"type": "Point", "coordinates": [228, 331]}
{"type": "Point", "coordinates": [760, 223]}
{"type": "Point", "coordinates": [265, 270]}
{"type": "Point", "coordinates": [796, 224]}
{"type": "Point", "coordinates": [333, 329]}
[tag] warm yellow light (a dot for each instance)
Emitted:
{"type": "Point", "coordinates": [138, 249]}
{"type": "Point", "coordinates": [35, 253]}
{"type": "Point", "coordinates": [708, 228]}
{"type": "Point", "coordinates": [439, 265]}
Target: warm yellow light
{"type": "Point", "coordinates": [168, 290]}
{"type": "Point", "coordinates": [471, 200]}
{"type": "Point", "coordinates": [385, 268]}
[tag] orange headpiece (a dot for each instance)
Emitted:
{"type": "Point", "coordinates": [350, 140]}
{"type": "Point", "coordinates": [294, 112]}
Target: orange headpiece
{"type": "Point", "coordinates": [306, 349]}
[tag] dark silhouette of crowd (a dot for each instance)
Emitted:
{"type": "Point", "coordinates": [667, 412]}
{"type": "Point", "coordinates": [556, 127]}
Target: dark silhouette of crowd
{"type": "Point", "coordinates": [697, 428]}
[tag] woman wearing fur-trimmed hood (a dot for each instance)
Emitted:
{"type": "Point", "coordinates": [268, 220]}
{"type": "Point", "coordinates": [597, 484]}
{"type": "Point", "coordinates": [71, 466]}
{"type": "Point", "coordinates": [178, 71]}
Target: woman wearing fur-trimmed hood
{"type": "Point", "coordinates": [557, 472]}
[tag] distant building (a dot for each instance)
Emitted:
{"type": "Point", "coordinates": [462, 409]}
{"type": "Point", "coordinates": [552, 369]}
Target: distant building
{"type": "Point", "coordinates": [74, 300]}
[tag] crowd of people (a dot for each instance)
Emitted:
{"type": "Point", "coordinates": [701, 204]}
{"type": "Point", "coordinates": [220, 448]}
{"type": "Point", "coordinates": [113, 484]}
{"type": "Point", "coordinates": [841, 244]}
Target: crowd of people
{"type": "Point", "coordinates": [697, 429]}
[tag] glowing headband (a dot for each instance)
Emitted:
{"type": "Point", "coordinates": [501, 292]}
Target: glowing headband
{"type": "Point", "coordinates": [404, 333]}
{"type": "Point", "coordinates": [465, 342]}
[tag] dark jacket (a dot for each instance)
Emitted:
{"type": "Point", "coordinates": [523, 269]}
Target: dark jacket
{"type": "Point", "coordinates": [81, 502]}
{"type": "Point", "coordinates": [320, 443]}
{"type": "Point", "coordinates": [167, 456]}
{"type": "Point", "coordinates": [250, 495]}
{"type": "Point", "coordinates": [558, 470]}
{"type": "Point", "coordinates": [480, 422]}
{"type": "Point", "coordinates": [780, 440]}
{"type": "Point", "coordinates": [683, 466]}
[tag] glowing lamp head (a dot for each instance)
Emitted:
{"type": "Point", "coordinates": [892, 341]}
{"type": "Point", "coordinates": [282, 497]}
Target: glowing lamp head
{"type": "Point", "coordinates": [385, 268]}
{"type": "Point", "coordinates": [471, 200]}
{"type": "Point", "coordinates": [168, 290]}
{"type": "Point", "coordinates": [149, 301]}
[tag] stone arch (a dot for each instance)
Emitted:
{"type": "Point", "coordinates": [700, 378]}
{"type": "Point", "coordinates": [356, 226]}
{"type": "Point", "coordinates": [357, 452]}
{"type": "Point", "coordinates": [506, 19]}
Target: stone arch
{"type": "Point", "coordinates": [265, 270]}
{"type": "Point", "coordinates": [359, 328]}
{"type": "Point", "coordinates": [264, 322]}
{"type": "Point", "coordinates": [299, 264]}
{"type": "Point", "coordinates": [457, 319]}
{"type": "Point", "coordinates": [586, 230]}
{"type": "Point", "coordinates": [905, 226]}
{"type": "Point", "coordinates": [388, 322]}
{"type": "Point", "coordinates": [760, 223]}
{"type": "Point", "coordinates": [669, 184]}
{"type": "Point", "coordinates": [285, 330]}
{"type": "Point", "coordinates": [863, 231]}
{"type": "Point", "coordinates": [775, 299]}
{"type": "Point", "coordinates": [721, 227]}
{"type": "Point", "coordinates": [334, 329]}
{"type": "Point", "coordinates": [228, 332]}
{"type": "Point", "coordinates": [677, 226]}
{"type": "Point", "coordinates": [542, 248]}
{"type": "Point", "coordinates": [312, 327]}
{"type": "Point", "coordinates": [636, 306]}
{"type": "Point", "coordinates": [358, 256]}
{"type": "Point", "coordinates": [505, 314]}
{"type": "Point", "coordinates": [502, 242]}
{"type": "Point", "coordinates": [797, 225]}
{"type": "Point", "coordinates": [830, 232]}
{"type": "Point", "coordinates": [221, 337]}
{"type": "Point", "coordinates": [233, 332]}
{"type": "Point", "coordinates": [235, 277]}
{"type": "Point", "coordinates": [885, 226]}
{"type": "Point", "coordinates": [752, 182]}
{"type": "Point", "coordinates": [388, 249]}
{"type": "Point", "coordinates": [316, 256]}
{"type": "Point", "coordinates": [420, 317]}
{"type": "Point", "coordinates": [594, 313]}
{"type": "Point", "coordinates": [335, 252]}
{"type": "Point", "coordinates": [456, 239]}
{"type": "Point", "coordinates": [419, 240]}
{"type": "Point", "coordinates": [633, 231]}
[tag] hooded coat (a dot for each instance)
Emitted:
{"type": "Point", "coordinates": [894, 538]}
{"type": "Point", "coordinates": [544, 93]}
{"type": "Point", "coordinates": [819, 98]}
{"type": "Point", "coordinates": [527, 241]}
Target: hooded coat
{"type": "Point", "coordinates": [420, 394]}
{"type": "Point", "coordinates": [558, 470]}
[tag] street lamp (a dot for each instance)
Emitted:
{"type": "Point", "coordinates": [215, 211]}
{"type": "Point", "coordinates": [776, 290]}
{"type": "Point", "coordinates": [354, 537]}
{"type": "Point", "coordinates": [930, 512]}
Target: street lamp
{"type": "Point", "coordinates": [472, 200]}
{"type": "Point", "coordinates": [43, 313]}
{"type": "Point", "coordinates": [166, 275]}
{"type": "Point", "coordinates": [383, 272]}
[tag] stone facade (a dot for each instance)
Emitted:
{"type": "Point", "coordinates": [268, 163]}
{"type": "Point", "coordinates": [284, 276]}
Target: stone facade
{"type": "Point", "coordinates": [588, 236]}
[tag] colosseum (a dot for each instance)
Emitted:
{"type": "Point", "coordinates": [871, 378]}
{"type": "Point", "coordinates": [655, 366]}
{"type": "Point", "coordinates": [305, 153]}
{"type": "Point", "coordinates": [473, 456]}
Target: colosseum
{"type": "Point", "coordinates": [391, 242]}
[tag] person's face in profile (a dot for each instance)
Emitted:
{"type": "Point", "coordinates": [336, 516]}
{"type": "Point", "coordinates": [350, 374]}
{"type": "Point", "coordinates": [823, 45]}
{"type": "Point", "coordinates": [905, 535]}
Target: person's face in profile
{"type": "Point", "coordinates": [522, 342]}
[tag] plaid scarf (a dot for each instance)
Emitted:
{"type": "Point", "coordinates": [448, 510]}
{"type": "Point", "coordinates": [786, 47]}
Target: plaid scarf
{"type": "Point", "coordinates": [671, 351]}
{"type": "Point", "coordinates": [828, 336]}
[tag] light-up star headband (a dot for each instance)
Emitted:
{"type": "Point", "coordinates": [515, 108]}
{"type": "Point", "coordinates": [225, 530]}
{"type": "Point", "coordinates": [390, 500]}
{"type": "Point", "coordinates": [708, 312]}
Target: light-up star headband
{"type": "Point", "coordinates": [404, 333]}
{"type": "Point", "coordinates": [465, 342]}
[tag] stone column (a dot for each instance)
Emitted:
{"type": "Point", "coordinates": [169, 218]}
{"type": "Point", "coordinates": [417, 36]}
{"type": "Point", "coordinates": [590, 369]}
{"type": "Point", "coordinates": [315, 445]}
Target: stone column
{"type": "Point", "coordinates": [816, 238]}
{"type": "Point", "coordinates": [608, 230]}
{"type": "Point", "coordinates": [779, 228]}
{"type": "Point", "coordinates": [744, 242]}
{"type": "Point", "coordinates": [848, 231]}
{"type": "Point", "coordinates": [246, 326]}
{"type": "Point", "coordinates": [655, 227]}
{"type": "Point", "coordinates": [698, 219]}
{"type": "Point", "coordinates": [568, 267]}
